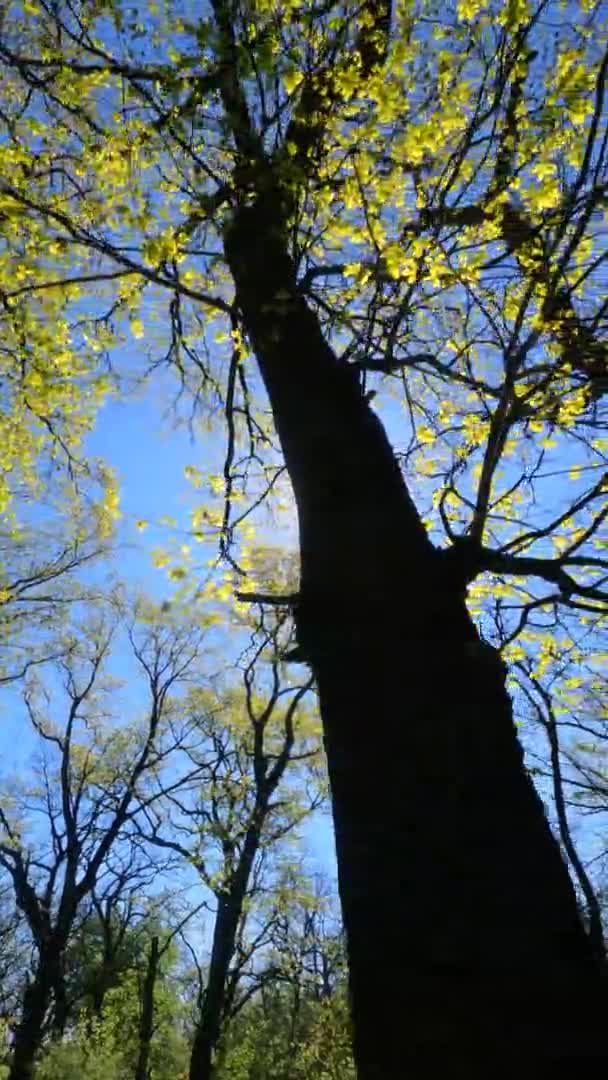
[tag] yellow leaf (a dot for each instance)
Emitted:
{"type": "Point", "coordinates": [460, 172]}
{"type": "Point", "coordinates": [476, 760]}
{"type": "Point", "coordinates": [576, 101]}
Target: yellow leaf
{"type": "Point", "coordinates": [291, 80]}
{"type": "Point", "coordinates": [544, 170]}
{"type": "Point", "coordinates": [177, 573]}
{"type": "Point", "coordinates": [425, 435]}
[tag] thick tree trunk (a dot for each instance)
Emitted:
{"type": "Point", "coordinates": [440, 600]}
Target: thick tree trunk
{"type": "Point", "coordinates": [28, 1037]}
{"type": "Point", "coordinates": [464, 942]}
{"type": "Point", "coordinates": [146, 1023]}
{"type": "Point", "coordinates": [229, 911]}
{"type": "Point", "coordinates": [465, 945]}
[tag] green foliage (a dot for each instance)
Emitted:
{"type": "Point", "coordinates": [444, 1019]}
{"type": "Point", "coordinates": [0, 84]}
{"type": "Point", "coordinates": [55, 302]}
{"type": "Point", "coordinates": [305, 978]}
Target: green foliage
{"type": "Point", "coordinates": [326, 1053]}
{"type": "Point", "coordinates": [92, 1052]}
{"type": "Point", "coordinates": [453, 240]}
{"type": "Point", "coordinates": [267, 1042]}
{"type": "Point", "coordinates": [3, 1049]}
{"type": "Point", "coordinates": [87, 975]}
{"type": "Point", "coordinates": [279, 1040]}
{"type": "Point", "coordinates": [105, 1047]}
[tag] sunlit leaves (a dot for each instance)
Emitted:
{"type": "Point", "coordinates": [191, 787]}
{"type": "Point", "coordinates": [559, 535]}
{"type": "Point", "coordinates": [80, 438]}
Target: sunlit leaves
{"type": "Point", "coordinates": [453, 220]}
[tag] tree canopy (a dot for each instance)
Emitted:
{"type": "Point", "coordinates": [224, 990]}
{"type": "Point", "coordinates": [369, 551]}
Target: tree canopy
{"type": "Point", "coordinates": [423, 188]}
{"type": "Point", "coordinates": [447, 214]}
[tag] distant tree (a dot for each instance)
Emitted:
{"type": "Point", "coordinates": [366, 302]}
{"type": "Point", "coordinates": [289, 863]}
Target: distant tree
{"type": "Point", "coordinates": [573, 761]}
{"type": "Point", "coordinates": [114, 929]}
{"type": "Point", "coordinates": [141, 1025]}
{"type": "Point", "coordinates": [14, 950]}
{"type": "Point", "coordinates": [254, 774]}
{"type": "Point", "coordinates": [295, 1023]}
{"type": "Point", "coordinates": [58, 827]}
{"type": "Point", "coordinates": [41, 571]}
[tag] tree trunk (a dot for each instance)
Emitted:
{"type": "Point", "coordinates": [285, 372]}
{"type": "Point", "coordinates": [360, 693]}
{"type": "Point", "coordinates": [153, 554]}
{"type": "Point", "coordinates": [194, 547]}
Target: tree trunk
{"type": "Point", "coordinates": [60, 1002]}
{"type": "Point", "coordinates": [99, 992]}
{"type": "Point", "coordinates": [106, 974]}
{"type": "Point", "coordinates": [28, 1036]}
{"type": "Point", "coordinates": [465, 945]}
{"type": "Point", "coordinates": [229, 911]}
{"type": "Point", "coordinates": [209, 1024]}
{"type": "Point", "coordinates": [146, 1024]}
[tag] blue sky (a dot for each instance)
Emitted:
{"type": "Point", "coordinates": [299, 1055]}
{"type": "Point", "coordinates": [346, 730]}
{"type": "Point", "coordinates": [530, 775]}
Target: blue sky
{"type": "Point", "coordinates": [149, 451]}
{"type": "Point", "coordinates": [142, 439]}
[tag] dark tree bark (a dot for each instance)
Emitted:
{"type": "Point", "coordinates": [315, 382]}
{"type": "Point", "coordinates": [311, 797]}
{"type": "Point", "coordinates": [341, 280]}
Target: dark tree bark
{"type": "Point", "coordinates": [218, 997]}
{"type": "Point", "coordinates": [30, 1030]}
{"type": "Point", "coordinates": [104, 978]}
{"type": "Point", "coordinates": [209, 1024]}
{"type": "Point", "coordinates": [51, 923]}
{"type": "Point", "coordinates": [230, 908]}
{"type": "Point", "coordinates": [60, 1002]}
{"type": "Point", "coordinates": [464, 941]}
{"type": "Point", "coordinates": [146, 1023]}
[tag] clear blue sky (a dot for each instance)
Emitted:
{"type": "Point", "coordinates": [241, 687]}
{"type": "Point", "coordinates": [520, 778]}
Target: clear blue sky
{"type": "Point", "coordinates": [150, 452]}
{"type": "Point", "coordinates": [141, 439]}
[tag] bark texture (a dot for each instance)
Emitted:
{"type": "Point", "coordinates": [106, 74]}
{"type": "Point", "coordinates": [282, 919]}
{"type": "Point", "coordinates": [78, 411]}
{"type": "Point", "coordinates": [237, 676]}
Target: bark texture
{"type": "Point", "coordinates": [209, 1024]}
{"type": "Point", "coordinates": [229, 911]}
{"type": "Point", "coordinates": [146, 1022]}
{"type": "Point", "coordinates": [30, 1030]}
{"type": "Point", "coordinates": [464, 940]}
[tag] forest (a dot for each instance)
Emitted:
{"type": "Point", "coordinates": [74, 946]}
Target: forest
{"type": "Point", "coordinates": [303, 556]}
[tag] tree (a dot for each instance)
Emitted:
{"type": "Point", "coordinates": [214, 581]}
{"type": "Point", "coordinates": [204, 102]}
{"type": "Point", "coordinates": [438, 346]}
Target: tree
{"type": "Point", "coordinates": [39, 586]}
{"type": "Point", "coordinates": [114, 931]}
{"type": "Point", "coordinates": [146, 1026]}
{"type": "Point", "coordinates": [575, 770]}
{"type": "Point", "coordinates": [295, 1023]}
{"type": "Point", "coordinates": [13, 951]}
{"type": "Point", "coordinates": [118, 1040]}
{"type": "Point", "coordinates": [87, 786]}
{"type": "Point", "coordinates": [246, 789]}
{"type": "Point", "coordinates": [446, 168]}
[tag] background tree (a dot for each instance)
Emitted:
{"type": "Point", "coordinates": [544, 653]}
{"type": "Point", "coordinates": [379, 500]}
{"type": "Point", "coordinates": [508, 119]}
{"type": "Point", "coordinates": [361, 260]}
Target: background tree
{"type": "Point", "coordinates": [572, 761]}
{"type": "Point", "coordinates": [114, 932]}
{"type": "Point", "coordinates": [59, 827]}
{"type": "Point", "coordinates": [349, 193]}
{"type": "Point", "coordinates": [110, 1043]}
{"type": "Point", "coordinates": [43, 565]}
{"type": "Point", "coordinates": [13, 951]}
{"type": "Point", "coordinates": [295, 1023]}
{"type": "Point", "coordinates": [252, 777]}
